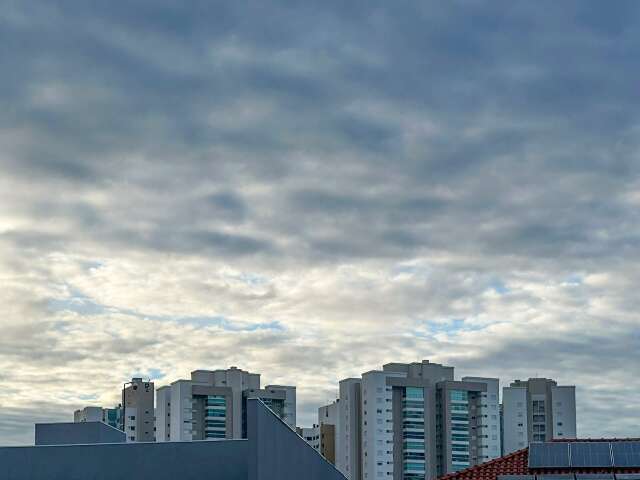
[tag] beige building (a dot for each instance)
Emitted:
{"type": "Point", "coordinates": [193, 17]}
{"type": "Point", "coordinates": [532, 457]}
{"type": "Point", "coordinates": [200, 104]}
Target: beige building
{"type": "Point", "coordinates": [138, 410]}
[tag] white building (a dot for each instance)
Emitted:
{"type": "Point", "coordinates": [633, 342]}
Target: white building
{"type": "Point", "coordinates": [348, 437]}
{"type": "Point", "coordinates": [110, 416]}
{"type": "Point", "coordinates": [328, 424]}
{"type": "Point", "coordinates": [537, 410]}
{"type": "Point", "coordinates": [415, 422]}
{"type": "Point", "coordinates": [88, 414]}
{"type": "Point", "coordinates": [311, 435]}
{"type": "Point", "coordinates": [488, 414]}
{"type": "Point", "coordinates": [212, 405]}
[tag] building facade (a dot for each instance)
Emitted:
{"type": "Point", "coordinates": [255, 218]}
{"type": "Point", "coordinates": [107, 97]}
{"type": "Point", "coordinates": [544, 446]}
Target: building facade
{"type": "Point", "coordinates": [272, 450]}
{"type": "Point", "coordinates": [349, 437]}
{"type": "Point", "coordinates": [311, 435]}
{"type": "Point", "coordinates": [415, 422]}
{"type": "Point", "coordinates": [537, 410]}
{"type": "Point", "coordinates": [138, 410]}
{"type": "Point", "coordinates": [212, 405]}
{"type": "Point", "coordinates": [328, 428]}
{"type": "Point", "coordinates": [488, 420]}
{"type": "Point", "coordinates": [110, 416]}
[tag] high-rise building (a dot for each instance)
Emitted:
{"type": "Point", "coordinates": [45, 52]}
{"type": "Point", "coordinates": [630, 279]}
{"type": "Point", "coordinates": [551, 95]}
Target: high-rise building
{"type": "Point", "coordinates": [138, 410]}
{"type": "Point", "coordinates": [327, 425]}
{"type": "Point", "coordinates": [537, 410]}
{"type": "Point", "coordinates": [414, 422]}
{"type": "Point", "coordinates": [488, 420]}
{"type": "Point", "coordinates": [349, 436]}
{"type": "Point", "coordinates": [212, 405]}
{"type": "Point", "coordinates": [110, 416]}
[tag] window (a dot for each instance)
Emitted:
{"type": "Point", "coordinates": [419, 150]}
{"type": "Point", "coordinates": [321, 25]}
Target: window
{"type": "Point", "coordinates": [458, 395]}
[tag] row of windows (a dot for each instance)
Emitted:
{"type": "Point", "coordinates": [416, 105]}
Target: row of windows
{"type": "Point", "coordinates": [460, 417]}
{"type": "Point", "coordinates": [214, 413]}
{"type": "Point", "coordinates": [414, 393]}
{"type": "Point", "coordinates": [216, 423]}
{"type": "Point", "coordinates": [412, 466]}
{"type": "Point", "coordinates": [413, 445]}
{"type": "Point", "coordinates": [412, 424]}
{"type": "Point", "coordinates": [459, 396]}
{"type": "Point", "coordinates": [216, 400]}
{"type": "Point", "coordinates": [456, 406]}
{"type": "Point", "coordinates": [413, 455]}
{"type": "Point", "coordinates": [412, 414]}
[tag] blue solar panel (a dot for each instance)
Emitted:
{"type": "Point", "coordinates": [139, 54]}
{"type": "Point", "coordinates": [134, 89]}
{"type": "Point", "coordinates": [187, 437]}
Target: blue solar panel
{"type": "Point", "coordinates": [626, 454]}
{"type": "Point", "coordinates": [591, 454]}
{"type": "Point", "coordinates": [516, 477]}
{"type": "Point", "coordinates": [555, 477]}
{"type": "Point", "coordinates": [549, 455]}
{"type": "Point", "coordinates": [594, 476]}
{"type": "Point", "coordinates": [628, 476]}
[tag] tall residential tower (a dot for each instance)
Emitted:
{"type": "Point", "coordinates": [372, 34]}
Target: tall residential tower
{"type": "Point", "coordinates": [415, 422]}
{"type": "Point", "coordinates": [212, 405]}
{"type": "Point", "coordinates": [138, 411]}
{"type": "Point", "coordinates": [537, 410]}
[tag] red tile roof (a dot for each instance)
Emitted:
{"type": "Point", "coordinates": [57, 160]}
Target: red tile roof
{"type": "Point", "coordinates": [517, 463]}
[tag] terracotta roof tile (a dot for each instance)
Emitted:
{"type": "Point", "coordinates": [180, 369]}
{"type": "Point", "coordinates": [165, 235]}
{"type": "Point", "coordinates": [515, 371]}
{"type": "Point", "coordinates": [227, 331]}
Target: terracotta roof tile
{"type": "Point", "coordinates": [517, 463]}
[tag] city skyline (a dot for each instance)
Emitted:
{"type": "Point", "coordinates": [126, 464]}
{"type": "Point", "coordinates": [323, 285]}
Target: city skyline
{"type": "Point", "coordinates": [311, 191]}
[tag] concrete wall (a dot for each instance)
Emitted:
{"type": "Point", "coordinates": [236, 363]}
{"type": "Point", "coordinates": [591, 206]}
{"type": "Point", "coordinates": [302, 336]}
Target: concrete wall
{"type": "Point", "coordinates": [77, 433]}
{"type": "Point", "coordinates": [225, 460]}
{"type": "Point", "coordinates": [277, 452]}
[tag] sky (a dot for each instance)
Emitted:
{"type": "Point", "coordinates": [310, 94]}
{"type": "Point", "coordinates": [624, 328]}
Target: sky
{"type": "Point", "coordinates": [308, 190]}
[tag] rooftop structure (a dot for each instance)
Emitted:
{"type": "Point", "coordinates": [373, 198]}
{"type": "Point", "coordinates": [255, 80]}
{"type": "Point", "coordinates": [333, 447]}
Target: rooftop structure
{"type": "Point", "coordinates": [585, 459]}
{"type": "Point", "coordinates": [272, 450]}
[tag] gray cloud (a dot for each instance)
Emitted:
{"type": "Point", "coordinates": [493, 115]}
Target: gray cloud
{"type": "Point", "coordinates": [457, 181]}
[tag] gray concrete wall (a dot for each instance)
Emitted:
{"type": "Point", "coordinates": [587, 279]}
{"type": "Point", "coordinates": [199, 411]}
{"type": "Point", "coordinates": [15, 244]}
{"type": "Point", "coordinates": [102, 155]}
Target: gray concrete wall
{"type": "Point", "coordinates": [224, 460]}
{"type": "Point", "coordinates": [77, 433]}
{"type": "Point", "coordinates": [278, 452]}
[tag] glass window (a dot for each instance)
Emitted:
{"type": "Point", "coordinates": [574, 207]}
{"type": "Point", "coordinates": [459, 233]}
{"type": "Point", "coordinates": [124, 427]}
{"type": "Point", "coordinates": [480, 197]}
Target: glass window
{"type": "Point", "coordinates": [414, 392]}
{"type": "Point", "coordinates": [459, 395]}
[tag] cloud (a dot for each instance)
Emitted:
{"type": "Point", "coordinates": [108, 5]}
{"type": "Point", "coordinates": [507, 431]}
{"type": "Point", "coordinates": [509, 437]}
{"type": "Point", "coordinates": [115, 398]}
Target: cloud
{"type": "Point", "coordinates": [310, 191]}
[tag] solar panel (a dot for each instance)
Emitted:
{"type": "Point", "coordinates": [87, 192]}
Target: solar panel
{"type": "Point", "coordinates": [555, 477]}
{"type": "Point", "coordinates": [628, 476]}
{"type": "Point", "coordinates": [591, 454]}
{"type": "Point", "coordinates": [626, 454]}
{"type": "Point", "coordinates": [516, 477]}
{"type": "Point", "coordinates": [594, 476]}
{"type": "Point", "coordinates": [549, 455]}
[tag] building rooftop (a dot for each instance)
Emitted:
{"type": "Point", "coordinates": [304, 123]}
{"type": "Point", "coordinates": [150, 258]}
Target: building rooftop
{"type": "Point", "coordinates": [517, 465]}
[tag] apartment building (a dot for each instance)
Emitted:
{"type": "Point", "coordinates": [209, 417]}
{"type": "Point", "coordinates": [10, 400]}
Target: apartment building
{"type": "Point", "coordinates": [415, 422]}
{"type": "Point", "coordinates": [327, 426]}
{"type": "Point", "coordinates": [110, 416]}
{"type": "Point", "coordinates": [311, 435]}
{"type": "Point", "coordinates": [489, 440]}
{"type": "Point", "coordinates": [212, 405]}
{"type": "Point", "coordinates": [349, 436]}
{"type": "Point", "coordinates": [138, 410]}
{"type": "Point", "coordinates": [537, 410]}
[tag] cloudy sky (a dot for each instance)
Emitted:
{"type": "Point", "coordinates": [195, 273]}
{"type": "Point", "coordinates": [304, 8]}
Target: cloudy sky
{"type": "Point", "coordinates": [311, 189]}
